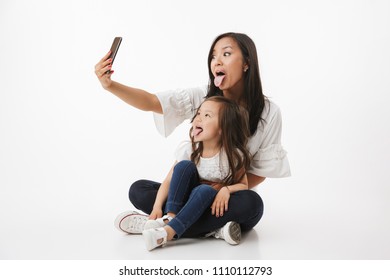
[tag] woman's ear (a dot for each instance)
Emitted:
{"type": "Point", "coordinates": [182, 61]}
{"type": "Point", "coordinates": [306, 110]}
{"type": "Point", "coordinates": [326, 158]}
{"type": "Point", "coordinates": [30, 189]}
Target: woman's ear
{"type": "Point", "coordinates": [246, 64]}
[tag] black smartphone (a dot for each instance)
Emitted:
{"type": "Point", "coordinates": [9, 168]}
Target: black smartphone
{"type": "Point", "coordinates": [114, 49]}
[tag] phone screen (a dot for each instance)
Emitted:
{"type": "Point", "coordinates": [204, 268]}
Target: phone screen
{"type": "Point", "coordinates": [114, 49]}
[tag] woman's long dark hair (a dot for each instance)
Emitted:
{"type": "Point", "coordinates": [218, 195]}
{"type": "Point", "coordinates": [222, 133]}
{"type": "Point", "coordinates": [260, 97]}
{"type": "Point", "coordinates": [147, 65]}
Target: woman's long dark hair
{"type": "Point", "coordinates": [233, 122]}
{"type": "Point", "coordinates": [253, 95]}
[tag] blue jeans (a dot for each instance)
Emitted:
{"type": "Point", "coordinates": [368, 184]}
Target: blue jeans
{"type": "Point", "coordinates": [245, 207]}
{"type": "Point", "coordinates": [187, 197]}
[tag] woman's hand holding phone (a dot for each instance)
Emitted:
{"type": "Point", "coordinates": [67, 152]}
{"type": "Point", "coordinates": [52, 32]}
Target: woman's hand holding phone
{"type": "Point", "coordinates": [103, 69]}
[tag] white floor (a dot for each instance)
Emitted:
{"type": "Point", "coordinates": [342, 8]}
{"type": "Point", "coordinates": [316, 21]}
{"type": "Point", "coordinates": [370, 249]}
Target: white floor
{"type": "Point", "coordinates": [329, 228]}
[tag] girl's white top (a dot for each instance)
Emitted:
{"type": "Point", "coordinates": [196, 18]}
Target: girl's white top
{"type": "Point", "coordinates": [269, 159]}
{"type": "Point", "coordinates": [213, 169]}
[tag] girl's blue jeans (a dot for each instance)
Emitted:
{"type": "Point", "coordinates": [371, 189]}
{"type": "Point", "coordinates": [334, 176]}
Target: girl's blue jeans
{"type": "Point", "coordinates": [187, 197]}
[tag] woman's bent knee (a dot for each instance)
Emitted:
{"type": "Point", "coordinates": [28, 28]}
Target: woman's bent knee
{"type": "Point", "coordinates": [247, 206]}
{"type": "Point", "coordinates": [135, 189]}
{"type": "Point", "coordinates": [256, 212]}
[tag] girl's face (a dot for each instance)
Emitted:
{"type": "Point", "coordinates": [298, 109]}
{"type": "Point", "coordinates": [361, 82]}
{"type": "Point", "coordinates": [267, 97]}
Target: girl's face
{"type": "Point", "coordinates": [228, 66]}
{"type": "Point", "coordinates": [205, 126]}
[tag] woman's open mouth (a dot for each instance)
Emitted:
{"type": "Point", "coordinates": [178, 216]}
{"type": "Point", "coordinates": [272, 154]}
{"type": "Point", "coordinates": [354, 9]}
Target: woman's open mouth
{"type": "Point", "coordinates": [219, 78]}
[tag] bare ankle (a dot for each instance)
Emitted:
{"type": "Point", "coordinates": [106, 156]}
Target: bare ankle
{"type": "Point", "coordinates": [170, 232]}
{"type": "Point", "coordinates": [173, 215]}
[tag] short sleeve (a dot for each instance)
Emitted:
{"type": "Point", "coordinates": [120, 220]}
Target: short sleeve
{"type": "Point", "coordinates": [269, 157]}
{"type": "Point", "coordinates": [177, 106]}
{"type": "Point", "coordinates": [183, 151]}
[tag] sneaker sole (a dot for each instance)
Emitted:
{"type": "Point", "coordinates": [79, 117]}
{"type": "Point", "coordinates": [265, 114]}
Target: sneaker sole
{"type": "Point", "coordinates": [124, 215]}
{"type": "Point", "coordinates": [148, 238]}
{"type": "Point", "coordinates": [233, 236]}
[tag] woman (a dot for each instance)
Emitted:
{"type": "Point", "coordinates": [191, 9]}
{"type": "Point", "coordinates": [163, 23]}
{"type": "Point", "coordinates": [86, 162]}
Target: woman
{"type": "Point", "coordinates": [234, 73]}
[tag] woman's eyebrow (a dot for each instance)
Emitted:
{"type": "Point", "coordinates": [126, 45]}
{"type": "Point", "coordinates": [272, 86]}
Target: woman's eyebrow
{"type": "Point", "coordinates": [224, 48]}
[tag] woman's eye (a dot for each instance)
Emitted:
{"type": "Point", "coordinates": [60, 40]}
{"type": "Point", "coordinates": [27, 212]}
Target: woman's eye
{"type": "Point", "coordinates": [226, 53]}
{"type": "Point", "coordinates": [207, 115]}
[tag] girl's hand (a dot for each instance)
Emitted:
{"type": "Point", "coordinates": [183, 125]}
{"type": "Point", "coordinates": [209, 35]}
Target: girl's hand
{"type": "Point", "coordinates": [221, 201]}
{"type": "Point", "coordinates": [101, 68]}
{"type": "Point", "coordinates": [156, 213]}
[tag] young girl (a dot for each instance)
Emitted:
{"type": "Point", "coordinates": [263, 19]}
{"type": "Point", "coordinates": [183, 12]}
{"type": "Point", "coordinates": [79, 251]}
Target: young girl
{"type": "Point", "coordinates": [208, 170]}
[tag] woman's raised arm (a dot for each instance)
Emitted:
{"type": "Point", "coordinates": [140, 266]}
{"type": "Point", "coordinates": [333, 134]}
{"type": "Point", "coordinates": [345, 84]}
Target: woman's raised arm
{"type": "Point", "coordinates": [137, 98]}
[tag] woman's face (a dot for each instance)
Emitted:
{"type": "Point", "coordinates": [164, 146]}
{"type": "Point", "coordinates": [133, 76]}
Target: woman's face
{"type": "Point", "coordinates": [205, 126]}
{"type": "Point", "coordinates": [228, 67]}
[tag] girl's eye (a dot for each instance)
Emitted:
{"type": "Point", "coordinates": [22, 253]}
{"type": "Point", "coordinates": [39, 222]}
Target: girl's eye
{"type": "Point", "coordinates": [212, 57]}
{"type": "Point", "coordinates": [226, 53]}
{"type": "Point", "coordinates": [207, 115]}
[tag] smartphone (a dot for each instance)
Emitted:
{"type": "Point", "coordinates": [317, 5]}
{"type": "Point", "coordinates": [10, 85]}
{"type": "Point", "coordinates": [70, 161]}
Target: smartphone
{"type": "Point", "coordinates": [114, 49]}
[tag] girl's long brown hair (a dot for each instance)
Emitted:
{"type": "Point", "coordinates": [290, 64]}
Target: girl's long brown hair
{"type": "Point", "coordinates": [234, 124]}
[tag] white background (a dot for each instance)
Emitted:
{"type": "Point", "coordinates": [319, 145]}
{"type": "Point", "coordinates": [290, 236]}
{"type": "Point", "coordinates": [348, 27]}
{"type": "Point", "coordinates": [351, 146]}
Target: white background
{"type": "Point", "coordinates": [69, 150]}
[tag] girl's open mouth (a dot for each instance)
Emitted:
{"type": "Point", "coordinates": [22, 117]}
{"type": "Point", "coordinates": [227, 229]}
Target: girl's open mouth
{"type": "Point", "coordinates": [196, 131]}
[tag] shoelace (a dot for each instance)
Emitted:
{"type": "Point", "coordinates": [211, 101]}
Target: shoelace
{"type": "Point", "coordinates": [137, 224]}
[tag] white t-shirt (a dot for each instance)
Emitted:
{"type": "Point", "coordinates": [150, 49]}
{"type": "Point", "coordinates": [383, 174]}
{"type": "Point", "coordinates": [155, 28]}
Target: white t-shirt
{"type": "Point", "coordinates": [213, 169]}
{"type": "Point", "coordinates": [269, 159]}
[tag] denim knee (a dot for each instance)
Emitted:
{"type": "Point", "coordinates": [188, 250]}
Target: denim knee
{"type": "Point", "coordinates": [184, 166]}
{"type": "Point", "coordinates": [184, 179]}
{"type": "Point", "coordinates": [254, 211]}
{"type": "Point", "coordinates": [204, 194]}
{"type": "Point", "coordinates": [142, 194]}
{"type": "Point", "coordinates": [134, 191]}
{"type": "Point", "coordinates": [205, 191]}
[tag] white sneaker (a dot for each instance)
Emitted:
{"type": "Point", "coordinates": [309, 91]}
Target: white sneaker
{"type": "Point", "coordinates": [231, 233]}
{"type": "Point", "coordinates": [131, 222]}
{"type": "Point", "coordinates": [160, 222]}
{"type": "Point", "coordinates": [155, 237]}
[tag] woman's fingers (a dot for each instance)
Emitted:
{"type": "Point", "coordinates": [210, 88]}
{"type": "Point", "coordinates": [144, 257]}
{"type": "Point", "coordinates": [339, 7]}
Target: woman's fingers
{"type": "Point", "coordinates": [105, 57]}
{"type": "Point", "coordinates": [102, 71]}
{"type": "Point", "coordinates": [101, 61]}
{"type": "Point", "coordinates": [103, 65]}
